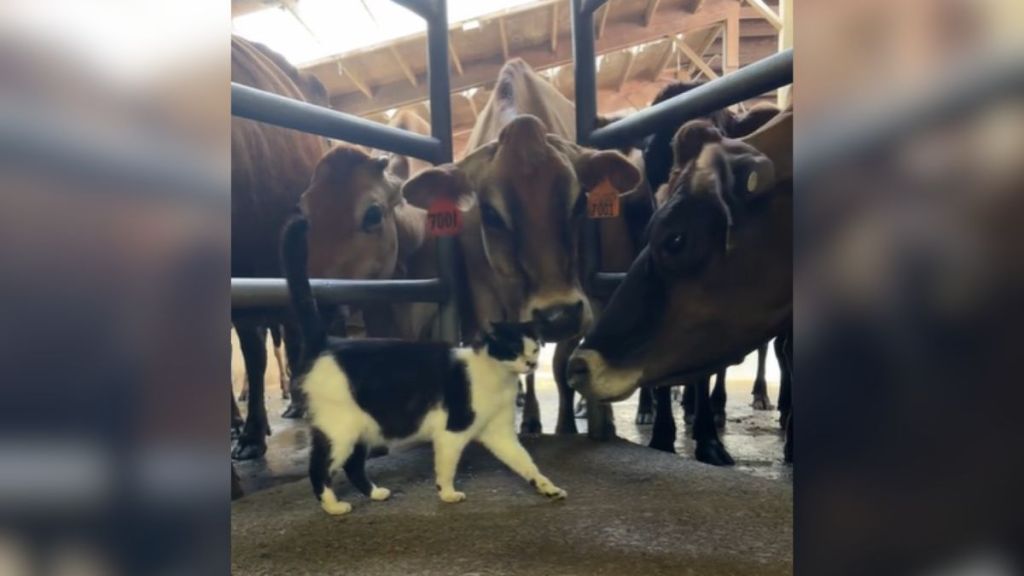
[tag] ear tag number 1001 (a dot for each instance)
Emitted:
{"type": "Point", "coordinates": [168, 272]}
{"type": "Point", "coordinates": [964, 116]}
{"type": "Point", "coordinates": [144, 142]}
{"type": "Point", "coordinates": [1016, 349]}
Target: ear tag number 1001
{"type": "Point", "coordinates": [603, 201]}
{"type": "Point", "coordinates": [443, 217]}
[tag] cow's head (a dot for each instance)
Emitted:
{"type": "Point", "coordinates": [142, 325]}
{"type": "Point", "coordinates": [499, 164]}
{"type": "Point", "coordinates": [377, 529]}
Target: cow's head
{"type": "Point", "coordinates": [714, 280]}
{"type": "Point", "coordinates": [524, 200]}
{"type": "Point", "coordinates": [350, 206]}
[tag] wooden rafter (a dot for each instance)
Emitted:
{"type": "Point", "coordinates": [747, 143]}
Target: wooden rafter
{"type": "Point", "coordinates": [472, 105]}
{"type": "Point", "coordinates": [455, 55]}
{"type": "Point", "coordinates": [630, 59]}
{"type": "Point", "coordinates": [504, 38]}
{"type": "Point", "coordinates": [703, 48]}
{"type": "Point", "coordinates": [766, 12]}
{"type": "Point", "coordinates": [554, 26]}
{"type": "Point", "coordinates": [696, 59]}
{"type": "Point", "coordinates": [604, 19]}
{"type": "Point", "coordinates": [664, 60]}
{"type": "Point", "coordinates": [403, 65]}
{"type": "Point", "coordinates": [358, 82]}
{"type": "Point", "coordinates": [292, 9]}
{"type": "Point", "coordinates": [652, 6]}
{"type": "Point", "coordinates": [731, 57]}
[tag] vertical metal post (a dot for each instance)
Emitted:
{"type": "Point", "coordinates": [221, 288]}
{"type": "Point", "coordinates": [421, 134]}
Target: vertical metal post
{"type": "Point", "coordinates": [582, 20]}
{"type": "Point", "coordinates": [441, 128]}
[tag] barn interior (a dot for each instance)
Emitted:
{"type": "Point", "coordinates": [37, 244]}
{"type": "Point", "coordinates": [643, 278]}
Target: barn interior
{"type": "Point", "coordinates": [631, 509]}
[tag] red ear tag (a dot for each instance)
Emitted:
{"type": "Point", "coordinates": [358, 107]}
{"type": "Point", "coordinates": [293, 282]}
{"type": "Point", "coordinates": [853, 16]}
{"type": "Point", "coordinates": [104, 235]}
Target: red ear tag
{"type": "Point", "coordinates": [603, 201]}
{"type": "Point", "coordinates": [443, 217]}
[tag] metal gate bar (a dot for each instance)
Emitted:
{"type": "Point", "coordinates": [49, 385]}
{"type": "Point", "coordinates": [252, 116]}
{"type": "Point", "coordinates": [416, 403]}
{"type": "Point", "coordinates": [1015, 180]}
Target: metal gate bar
{"type": "Point", "coordinates": [765, 75]}
{"type": "Point", "coordinates": [247, 102]}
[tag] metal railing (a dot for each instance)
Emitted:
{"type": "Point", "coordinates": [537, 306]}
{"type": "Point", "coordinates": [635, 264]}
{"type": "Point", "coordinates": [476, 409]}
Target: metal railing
{"type": "Point", "coordinates": [765, 75]}
{"type": "Point", "coordinates": [271, 108]}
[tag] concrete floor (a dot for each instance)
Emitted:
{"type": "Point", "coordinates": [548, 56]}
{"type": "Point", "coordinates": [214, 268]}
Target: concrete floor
{"type": "Point", "coordinates": [630, 509]}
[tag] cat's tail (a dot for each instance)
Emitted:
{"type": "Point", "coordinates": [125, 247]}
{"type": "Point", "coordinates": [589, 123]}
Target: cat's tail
{"type": "Point", "coordinates": [294, 258]}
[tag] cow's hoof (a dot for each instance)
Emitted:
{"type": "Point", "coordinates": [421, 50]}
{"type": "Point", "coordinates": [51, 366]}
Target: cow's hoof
{"type": "Point", "coordinates": [714, 453]}
{"type": "Point", "coordinates": [761, 402]}
{"type": "Point", "coordinates": [294, 411]}
{"type": "Point", "coordinates": [581, 408]}
{"type": "Point", "coordinates": [530, 426]}
{"type": "Point", "coordinates": [520, 400]}
{"type": "Point", "coordinates": [249, 447]}
{"type": "Point", "coordinates": [644, 418]}
{"type": "Point", "coordinates": [567, 428]}
{"type": "Point", "coordinates": [377, 452]}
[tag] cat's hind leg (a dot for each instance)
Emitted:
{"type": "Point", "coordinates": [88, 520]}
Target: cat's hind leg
{"type": "Point", "coordinates": [322, 464]}
{"type": "Point", "coordinates": [355, 469]}
{"type": "Point", "coordinates": [502, 441]}
{"type": "Point", "coordinates": [448, 448]}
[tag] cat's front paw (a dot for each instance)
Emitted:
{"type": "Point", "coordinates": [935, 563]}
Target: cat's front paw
{"type": "Point", "coordinates": [545, 487]}
{"type": "Point", "coordinates": [333, 506]}
{"type": "Point", "coordinates": [380, 494]}
{"type": "Point", "coordinates": [452, 496]}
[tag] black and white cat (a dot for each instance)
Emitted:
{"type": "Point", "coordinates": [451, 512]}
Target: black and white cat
{"type": "Point", "coordinates": [367, 393]}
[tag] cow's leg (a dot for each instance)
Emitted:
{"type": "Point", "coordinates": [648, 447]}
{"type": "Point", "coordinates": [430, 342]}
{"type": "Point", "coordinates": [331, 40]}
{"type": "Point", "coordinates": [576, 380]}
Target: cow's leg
{"type": "Point", "coordinates": [786, 362]}
{"type": "Point", "coordinates": [718, 398]}
{"type": "Point", "coordinates": [293, 350]}
{"type": "Point", "coordinates": [566, 419]}
{"type": "Point", "coordinates": [600, 421]}
{"type": "Point", "coordinates": [236, 418]}
{"type": "Point", "coordinates": [785, 386]}
{"type": "Point", "coordinates": [645, 408]}
{"type": "Point", "coordinates": [252, 443]}
{"type": "Point", "coordinates": [531, 409]}
{"type": "Point", "coordinates": [761, 400]}
{"type": "Point", "coordinates": [520, 395]}
{"type": "Point", "coordinates": [663, 436]}
{"type": "Point", "coordinates": [282, 367]}
{"type": "Point", "coordinates": [244, 394]}
{"type": "Point", "coordinates": [581, 408]}
{"type": "Point", "coordinates": [236, 482]}
{"type": "Point", "coordinates": [709, 448]}
{"type": "Point", "coordinates": [688, 403]}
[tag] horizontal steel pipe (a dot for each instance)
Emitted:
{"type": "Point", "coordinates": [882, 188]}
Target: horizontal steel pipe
{"type": "Point", "coordinates": [762, 76]}
{"type": "Point", "coordinates": [273, 292]}
{"type": "Point", "coordinates": [247, 102]}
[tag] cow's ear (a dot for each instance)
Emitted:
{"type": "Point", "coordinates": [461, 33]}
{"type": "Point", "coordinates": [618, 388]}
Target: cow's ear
{"type": "Point", "coordinates": [399, 166]}
{"type": "Point", "coordinates": [445, 181]}
{"type": "Point", "coordinates": [691, 138]}
{"type": "Point", "coordinates": [753, 174]}
{"type": "Point", "coordinates": [592, 167]}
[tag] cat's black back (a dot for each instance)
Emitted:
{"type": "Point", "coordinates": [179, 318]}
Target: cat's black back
{"type": "Point", "coordinates": [398, 382]}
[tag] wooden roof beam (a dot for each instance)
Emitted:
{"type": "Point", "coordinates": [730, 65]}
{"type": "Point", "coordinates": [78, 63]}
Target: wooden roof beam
{"type": "Point", "coordinates": [554, 27]}
{"type": "Point", "coordinates": [672, 20]}
{"type": "Point", "coordinates": [355, 80]}
{"type": "Point", "coordinates": [766, 12]}
{"type": "Point", "coordinates": [652, 6]}
{"type": "Point", "coordinates": [455, 56]}
{"type": "Point", "coordinates": [731, 56]}
{"type": "Point", "coordinates": [630, 59]}
{"type": "Point", "coordinates": [706, 45]}
{"type": "Point", "coordinates": [604, 19]}
{"type": "Point", "coordinates": [696, 59]}
{"type": "Point", "coordinates": [403, 65]}
{"type": "Point", "coordinates": [504, 38]}
{"type": "Point", "coordinates": [670, 50]}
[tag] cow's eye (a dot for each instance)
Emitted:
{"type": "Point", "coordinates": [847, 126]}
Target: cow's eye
{"type": "Point", "coordinates": [372, 218]}
{"type": "Point", "coordinates": [490, 217]}
{"type": "Point", "coordinates": [674, 243]}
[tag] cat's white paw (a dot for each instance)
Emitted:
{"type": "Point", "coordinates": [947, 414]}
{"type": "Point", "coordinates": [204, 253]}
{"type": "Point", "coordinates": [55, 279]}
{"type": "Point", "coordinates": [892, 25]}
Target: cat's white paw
{"type": "Point", "coordinates": [332, 505]}
{"type": "Point", "coordinates": [452, 496]}
{"type": "Point", "coordinates": [548, 489]}
{"type": "Point", "coordinates": [380, 494]}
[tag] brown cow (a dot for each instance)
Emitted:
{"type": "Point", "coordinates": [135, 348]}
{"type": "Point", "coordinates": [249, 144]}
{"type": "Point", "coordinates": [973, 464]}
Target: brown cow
{"type": "Point", "coordinates": [347, 195]}
{"type": "Point", "coordinates": [715, 280]}
{"type": "Point", "coordinates": [522, 189]}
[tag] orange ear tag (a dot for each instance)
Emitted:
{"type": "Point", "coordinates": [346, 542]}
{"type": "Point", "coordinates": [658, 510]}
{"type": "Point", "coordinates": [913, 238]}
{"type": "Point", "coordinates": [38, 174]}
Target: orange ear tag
{"type": "Point", "coordinates": [603, 201]}
{"type": "Point", "coordinates": [443, 217]}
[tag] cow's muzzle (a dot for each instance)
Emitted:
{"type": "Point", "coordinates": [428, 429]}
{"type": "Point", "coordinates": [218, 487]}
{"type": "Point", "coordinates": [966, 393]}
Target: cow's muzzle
{"type": "Point", "coordinates": [559, 322]}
